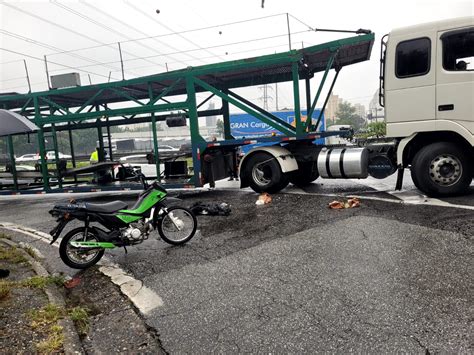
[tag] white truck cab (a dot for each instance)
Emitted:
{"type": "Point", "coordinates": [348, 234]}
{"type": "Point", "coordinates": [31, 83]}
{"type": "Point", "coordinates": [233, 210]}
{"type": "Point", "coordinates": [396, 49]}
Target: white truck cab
{"type": "Point", "coordinates": [427, 88]}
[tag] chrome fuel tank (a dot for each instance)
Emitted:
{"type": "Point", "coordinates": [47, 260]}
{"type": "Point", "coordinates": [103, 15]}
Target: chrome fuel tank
{"type": "Point", "coordinates": [343, 163]}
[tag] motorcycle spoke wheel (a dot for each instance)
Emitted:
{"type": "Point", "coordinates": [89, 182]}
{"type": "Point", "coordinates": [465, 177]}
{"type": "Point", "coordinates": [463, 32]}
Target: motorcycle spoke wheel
{"type": "Point", "coordinates": [177, 226]}
{"type": "Point", "coordinates": [79, 258]}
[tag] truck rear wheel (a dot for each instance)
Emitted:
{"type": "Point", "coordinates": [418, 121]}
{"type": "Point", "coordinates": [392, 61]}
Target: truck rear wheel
{"type": "Point", "coordinates": [307, 172]}
{"type": "Point", "coordinates": [264, 173]}
{"type": "Point", "coordinates": [441, 169]}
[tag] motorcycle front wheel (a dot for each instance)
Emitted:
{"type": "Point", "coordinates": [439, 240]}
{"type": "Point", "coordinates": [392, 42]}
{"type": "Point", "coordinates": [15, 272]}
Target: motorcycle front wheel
{"type": "Point", "coordinates": [177, 225]}
{"type": "Point", "coordinates": [79, 258]}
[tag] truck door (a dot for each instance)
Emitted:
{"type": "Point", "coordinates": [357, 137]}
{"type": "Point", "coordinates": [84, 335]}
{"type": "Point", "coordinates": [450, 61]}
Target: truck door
{"type": "Point", "coordinates": [410, 82]}
{"type": "Point", "coordinates": [455, 78]}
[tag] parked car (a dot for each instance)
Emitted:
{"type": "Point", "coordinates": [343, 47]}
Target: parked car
{"type": "Point", "coordinates": [27, 157]}
{"type": "Point", "coordinates": [137, 158]}
{"type": "Point", "coordinates": [140, 161]}
{"type": "Point", "coordinates": [166, 148]}
{"type": "Point", "coordinates": [25, 168]}
{"type": "Point", "coordinates": [51, 156]}
{"type": "Point", "coordinates": [186, 148]}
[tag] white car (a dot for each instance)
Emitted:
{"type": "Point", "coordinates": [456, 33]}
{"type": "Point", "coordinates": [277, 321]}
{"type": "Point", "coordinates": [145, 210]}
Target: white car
{"type": "Point", "coordinates": [27, 157]}
{"type": "Point", "coordinates": [140, 161]}
{"type": "Point", "coordinates": [137, 158]}
{"type": "Point", "coordinates": [51, 156]}
{"type": "Point", "coordinates": [167, 148]}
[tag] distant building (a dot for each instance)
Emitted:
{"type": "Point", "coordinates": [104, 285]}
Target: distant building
{"type": "Point", "coordinates": [331, 109]}
{"type": "Point", "coordinates": [360, 110]}
{"type": "Point", "coordinates": [211, 121]}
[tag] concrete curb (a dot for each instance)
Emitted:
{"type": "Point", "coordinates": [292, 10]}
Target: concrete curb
{"type": "Point", "coordinates": [72, 343]}
{"type": "Point", "coordinates": [145, 299]}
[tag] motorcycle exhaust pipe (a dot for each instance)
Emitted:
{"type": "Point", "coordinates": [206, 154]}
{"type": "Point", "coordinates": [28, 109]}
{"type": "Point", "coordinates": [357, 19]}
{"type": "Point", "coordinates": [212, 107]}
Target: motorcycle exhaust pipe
{"type": "Point", "coordinates": [343, 163]}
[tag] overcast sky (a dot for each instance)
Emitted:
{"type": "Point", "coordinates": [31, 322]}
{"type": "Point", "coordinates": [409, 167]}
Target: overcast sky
{"type": "Point", "coordinates": [91, 29]}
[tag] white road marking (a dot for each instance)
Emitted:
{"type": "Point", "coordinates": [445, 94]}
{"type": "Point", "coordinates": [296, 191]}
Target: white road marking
{"type": "Point", "coordinates": [28, 231]}
{"type": "Point", "coordinates": [145, 299]}
{"type": "Point", "coordinates": [35, 251]}
{"type": "Point", "coordinates": [412, 197]}
{"type": "Point", "coordinates": [405, 197]}
{"type": "Point", "coordinates": [142, 297]}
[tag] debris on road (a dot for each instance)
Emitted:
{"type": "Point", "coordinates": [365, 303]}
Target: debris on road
{"type": "Point", "coordinates": [211, 209]}
{"type": "Point", "coordinates": [72, 282]}
{"type": "Point", "coordinates": [350, 203]}
{"type": "Point", "coordinates": [263, 199]}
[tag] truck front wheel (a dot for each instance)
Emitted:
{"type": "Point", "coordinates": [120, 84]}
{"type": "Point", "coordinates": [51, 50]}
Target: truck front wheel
{"type": "Point", "coordinates": [442, 169]}
{"type": "Point", "coordinates": [264, 173]}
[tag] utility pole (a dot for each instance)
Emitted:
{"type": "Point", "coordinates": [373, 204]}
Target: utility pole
{"type": "Point", "coordinates": [276, 97]}
{"type": "Point", "coordinates": [265, 97]}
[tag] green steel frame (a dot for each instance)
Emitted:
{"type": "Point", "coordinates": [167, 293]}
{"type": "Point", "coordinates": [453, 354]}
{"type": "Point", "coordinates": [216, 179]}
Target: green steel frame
{"type": "Point", "coordinates": [149, 99]}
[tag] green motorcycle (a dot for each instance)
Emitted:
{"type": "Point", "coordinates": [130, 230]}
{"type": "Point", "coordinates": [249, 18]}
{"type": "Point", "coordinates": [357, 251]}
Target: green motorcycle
{"type": "Point", "coordinates": [83, 247]}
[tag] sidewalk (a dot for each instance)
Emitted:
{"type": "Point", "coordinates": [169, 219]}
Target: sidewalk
{"type": "Point", "coordinates": [87, 314]}
{"type": "Point", "coordinates": [34, 318]}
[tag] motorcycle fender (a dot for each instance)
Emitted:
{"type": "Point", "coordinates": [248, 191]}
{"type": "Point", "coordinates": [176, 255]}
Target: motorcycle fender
{"type": "Point", "coordinates": [169, 201]}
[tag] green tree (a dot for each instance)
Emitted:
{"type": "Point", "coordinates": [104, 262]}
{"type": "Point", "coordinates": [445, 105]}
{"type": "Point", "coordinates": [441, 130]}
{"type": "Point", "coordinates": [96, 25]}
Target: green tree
{"type": "Point", "coordinates": [377, 129]}
{"type": "Point", "coordinates": [85, 140]}
{"type": "Point", "coordinates": [346, 115]}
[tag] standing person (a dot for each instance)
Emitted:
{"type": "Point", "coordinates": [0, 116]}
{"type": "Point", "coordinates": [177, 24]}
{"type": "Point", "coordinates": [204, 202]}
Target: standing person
{"type": "Point", "coordinates": [207, 171]}
{"type": "Point", "coordinates": [231, 166]}
{"type": "Point", "coordinates": [94, 159]}
{"type": "Point", "coordinates": [150, 157]}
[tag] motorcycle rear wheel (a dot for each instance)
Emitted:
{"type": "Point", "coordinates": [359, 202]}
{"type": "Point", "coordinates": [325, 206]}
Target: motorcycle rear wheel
{"type": "Point", "coordinates": [79, 258]}
{"type": "Point", "coordinates": [177, 226]}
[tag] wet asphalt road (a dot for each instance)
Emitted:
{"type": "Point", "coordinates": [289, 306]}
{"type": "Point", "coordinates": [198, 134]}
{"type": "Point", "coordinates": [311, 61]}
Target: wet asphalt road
{"type": "Point", "coordinates": [294, 276]}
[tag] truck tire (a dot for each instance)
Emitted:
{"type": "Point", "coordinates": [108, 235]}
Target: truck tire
{"type": "Point", "coordinates": [307, 172]}
{"type": "Point", "coordinates": [442, 169]}
{"type": "Point", "coordinates": [264, 173]}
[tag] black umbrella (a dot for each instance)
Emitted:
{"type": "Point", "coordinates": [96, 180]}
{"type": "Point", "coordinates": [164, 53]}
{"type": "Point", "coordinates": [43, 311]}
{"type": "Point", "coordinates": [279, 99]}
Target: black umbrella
{"type": "Point", "coordinates": [13, 123]}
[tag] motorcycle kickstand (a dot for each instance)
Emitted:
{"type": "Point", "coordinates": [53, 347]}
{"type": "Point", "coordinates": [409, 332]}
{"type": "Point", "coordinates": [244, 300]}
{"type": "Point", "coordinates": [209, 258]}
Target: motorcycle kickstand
{"type": "Point", "coordinates": [126, 252]}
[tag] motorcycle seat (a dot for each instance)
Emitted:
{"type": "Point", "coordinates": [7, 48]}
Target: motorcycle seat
{"type": "Point", "coordinates": [109, 207]}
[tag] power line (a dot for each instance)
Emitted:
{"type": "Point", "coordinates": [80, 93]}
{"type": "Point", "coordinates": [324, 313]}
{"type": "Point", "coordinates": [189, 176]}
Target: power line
{"type": "Point", "coordinates": [45, 45]}
{"type": "Point", "coordinates": [53, 23]}
{"type": "Point", "coordinates": [62, 65]}
{"type": "Point", "coordinates": [97, 23]}
{"type": "Point", "coordinates": [11, 61]}
{"type": "Point", "coordinates": [59, 51]}
{"type": "Point", "coordinates": [303, 23]}
{"type": "Point", "coordinates": [167, 27]}
{"type": "Point", "coordinates": [22, 86]}
{"type": "Point", "coordinates": [231, 54]}
{"type": "Point", "coordinates": [210, 47]}
{"type": "Point", "coordinates": [59, 26]}
{"type": "Point", "coordinates": [182, 32]}
{"type": "Point", "coordinates": [12, 79]}
{"type": "Point", "coordinates": [128, 25]}
{"type": "Point", "coordinates": [91, 20]}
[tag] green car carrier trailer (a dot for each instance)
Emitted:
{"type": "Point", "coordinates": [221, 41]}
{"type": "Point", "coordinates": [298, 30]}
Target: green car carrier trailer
{"type": "Point", "coordinates": [158, 97]}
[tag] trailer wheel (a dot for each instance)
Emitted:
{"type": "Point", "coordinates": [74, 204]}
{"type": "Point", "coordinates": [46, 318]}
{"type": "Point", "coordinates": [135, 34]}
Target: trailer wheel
{"type": "Point", "coordinates": [441, 169]}
{"type": "Point", "coordinates": [264, 173]}
{"type": "Point", "coordinates": [307, 172]}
